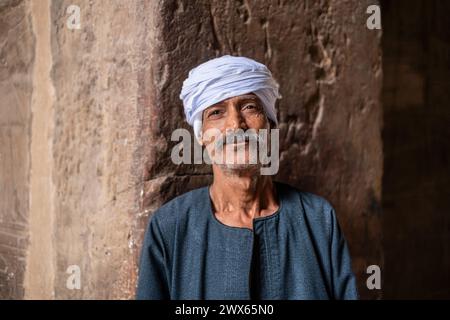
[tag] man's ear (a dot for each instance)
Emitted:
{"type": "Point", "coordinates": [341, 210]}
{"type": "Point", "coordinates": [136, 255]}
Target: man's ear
{"type": "Point", "coordinates": [199, 139]}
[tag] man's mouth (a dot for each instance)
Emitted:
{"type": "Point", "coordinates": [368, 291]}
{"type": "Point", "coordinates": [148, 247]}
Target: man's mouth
{"type": "Point", "coordinates": [243, 140]}
{"type": "Point", "coordinates": [239, 143]}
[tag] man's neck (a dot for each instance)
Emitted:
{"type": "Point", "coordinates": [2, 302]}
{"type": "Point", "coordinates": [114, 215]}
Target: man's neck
{"type": "Point", "coordinates": [242, 196]}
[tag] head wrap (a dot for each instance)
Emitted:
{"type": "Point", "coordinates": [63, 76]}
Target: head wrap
{"type": "Point", "coordinates": [225, 77]}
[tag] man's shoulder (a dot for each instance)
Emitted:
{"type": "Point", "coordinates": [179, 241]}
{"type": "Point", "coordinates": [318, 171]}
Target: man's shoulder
{"type": "Point", "coordinates": [181, 205]}
{"type": "Point", "coordinates": [314, 206]}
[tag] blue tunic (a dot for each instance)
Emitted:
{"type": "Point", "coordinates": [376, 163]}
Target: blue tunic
{"type": "Point", "coordinates": [297, 252]}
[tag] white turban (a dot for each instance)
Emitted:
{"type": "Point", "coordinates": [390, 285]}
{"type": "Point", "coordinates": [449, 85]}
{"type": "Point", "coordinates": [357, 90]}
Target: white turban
{"type": "Point", "coordinates": [225, 77]}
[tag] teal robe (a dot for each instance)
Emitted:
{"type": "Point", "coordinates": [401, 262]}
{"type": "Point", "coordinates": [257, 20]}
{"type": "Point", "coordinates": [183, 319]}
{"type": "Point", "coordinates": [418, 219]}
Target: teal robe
{"type": "Point", "coordinates": [298, 252]}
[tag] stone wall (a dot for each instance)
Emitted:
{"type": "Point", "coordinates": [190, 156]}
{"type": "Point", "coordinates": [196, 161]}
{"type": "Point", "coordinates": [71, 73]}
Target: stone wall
{"type": "Point", "coordinates": [16, 65]}
{"type": "Point", "coordinates": [329, 68]}
{"type": "Point", "coordinates": [95, 154]}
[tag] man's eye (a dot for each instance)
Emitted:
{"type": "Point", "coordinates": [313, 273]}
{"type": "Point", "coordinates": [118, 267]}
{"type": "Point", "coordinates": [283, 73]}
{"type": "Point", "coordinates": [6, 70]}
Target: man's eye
{"type": "Point", "coordinates": [249, 107]}
{"type": "Point", "coordinates": [214, 113]}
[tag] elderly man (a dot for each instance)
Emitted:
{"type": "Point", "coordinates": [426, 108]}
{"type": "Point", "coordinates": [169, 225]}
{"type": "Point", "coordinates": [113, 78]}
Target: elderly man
{"type": "Point", "coordinates": [244, 236]}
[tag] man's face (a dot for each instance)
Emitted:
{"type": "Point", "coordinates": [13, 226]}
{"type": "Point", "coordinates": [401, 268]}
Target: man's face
{"type": "Point", "coordinates": [229, 116]}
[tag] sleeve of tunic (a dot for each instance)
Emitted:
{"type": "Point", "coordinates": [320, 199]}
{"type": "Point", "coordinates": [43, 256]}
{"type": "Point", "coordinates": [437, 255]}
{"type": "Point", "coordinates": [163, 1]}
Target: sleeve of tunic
{"type": "Point", "coordinates": [343, 279]}
{"type": "Point", "coordinates": [152, 278]}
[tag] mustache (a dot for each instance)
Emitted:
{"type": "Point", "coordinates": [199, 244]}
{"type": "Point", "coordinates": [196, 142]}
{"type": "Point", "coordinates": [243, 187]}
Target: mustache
{"type": "Point", "coordinates": [237, 137]}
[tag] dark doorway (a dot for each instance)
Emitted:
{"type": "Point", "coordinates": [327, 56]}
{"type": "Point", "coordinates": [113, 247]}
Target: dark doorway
{"type": "Point", "coordinates": [416, 137]}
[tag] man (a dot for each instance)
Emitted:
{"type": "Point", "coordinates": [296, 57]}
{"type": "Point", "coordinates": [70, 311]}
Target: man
{"type": "Point", "coordinates": [245, 236]}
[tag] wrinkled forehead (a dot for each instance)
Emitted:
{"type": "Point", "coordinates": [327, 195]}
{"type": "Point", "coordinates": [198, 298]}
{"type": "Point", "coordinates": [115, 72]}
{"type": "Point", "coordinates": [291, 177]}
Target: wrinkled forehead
{"type": "Point", "coordinates": [243, 97]}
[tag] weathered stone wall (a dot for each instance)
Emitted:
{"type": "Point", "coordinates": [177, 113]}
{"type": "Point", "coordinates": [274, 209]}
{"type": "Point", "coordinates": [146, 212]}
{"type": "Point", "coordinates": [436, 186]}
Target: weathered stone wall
{"type": "Point", "coordinates": [16, 65]}
{"type": "Point", "coordinates": [101, 142]}
{"type": "Point", "coordinates": [416, 188]}
{"type": "Point", "coordinates": [110, 94]}
{"type": "Point", "coordinates": [329, 68]}
{"type": "Point", "coordinates": [72, 174]}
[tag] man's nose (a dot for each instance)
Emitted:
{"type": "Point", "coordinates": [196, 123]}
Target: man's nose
{"type": "Point", "coordinates": [235, 120]}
